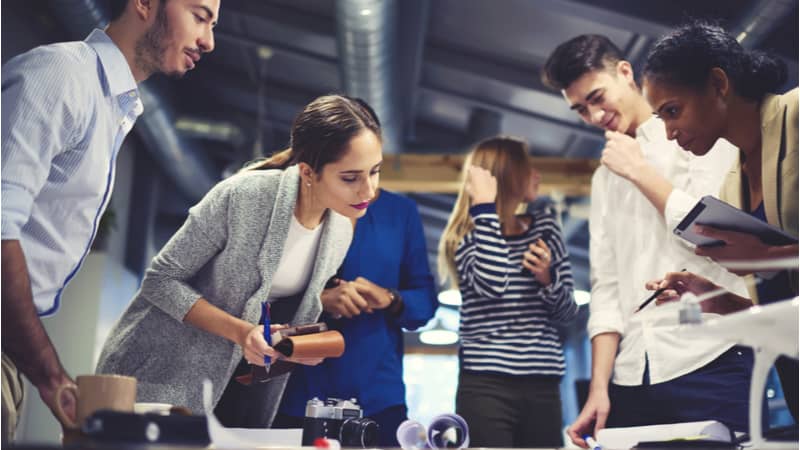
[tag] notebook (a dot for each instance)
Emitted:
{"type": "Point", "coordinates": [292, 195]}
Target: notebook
{"type": "Point", "coordinates": [622, 438]}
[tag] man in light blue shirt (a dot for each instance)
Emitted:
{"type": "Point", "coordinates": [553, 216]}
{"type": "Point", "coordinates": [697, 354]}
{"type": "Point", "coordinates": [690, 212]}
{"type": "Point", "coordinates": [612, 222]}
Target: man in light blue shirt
{"type": "Point", "coordinates": [66, 109]}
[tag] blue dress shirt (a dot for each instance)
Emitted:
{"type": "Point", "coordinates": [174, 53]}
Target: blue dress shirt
{"type": "Point", "coordinates": [388, 248]}
{"type": "Point", "coordinates": [66, 109]}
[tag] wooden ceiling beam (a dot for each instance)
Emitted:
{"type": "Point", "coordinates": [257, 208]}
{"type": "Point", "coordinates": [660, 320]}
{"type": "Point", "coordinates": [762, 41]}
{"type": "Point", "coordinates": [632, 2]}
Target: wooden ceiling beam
{"type": "Point", "coordinates": [440, 173]}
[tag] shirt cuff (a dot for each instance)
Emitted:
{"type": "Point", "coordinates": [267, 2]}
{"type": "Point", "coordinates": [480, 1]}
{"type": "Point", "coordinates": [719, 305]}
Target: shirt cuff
{"type": "Point", "coordinates": [604, 322]}
{"type": "Point", "coordinates": [679, 203]}
{"type": "Point", "coordinates": [16, 211]}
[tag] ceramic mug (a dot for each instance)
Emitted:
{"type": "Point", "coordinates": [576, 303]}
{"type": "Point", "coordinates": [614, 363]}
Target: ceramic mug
{"type": "Point", "coordinates": [96, 392]}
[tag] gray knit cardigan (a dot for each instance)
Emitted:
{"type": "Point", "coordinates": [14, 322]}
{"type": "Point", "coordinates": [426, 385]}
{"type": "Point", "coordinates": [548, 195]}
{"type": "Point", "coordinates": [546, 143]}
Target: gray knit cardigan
{"type": "Point", "coordinates": [227, 252]}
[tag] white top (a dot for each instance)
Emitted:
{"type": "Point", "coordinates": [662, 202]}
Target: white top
{"type": "Point", "coordinates": [630, 244]}
{"type": "Point", "coordinates": [297, 260]}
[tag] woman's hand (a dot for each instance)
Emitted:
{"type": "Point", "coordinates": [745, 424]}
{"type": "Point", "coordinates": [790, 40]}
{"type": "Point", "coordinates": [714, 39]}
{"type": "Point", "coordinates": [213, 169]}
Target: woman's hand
{"type": "Point", "coordinates": [738, 247]}
{"type": "Point", "coordinates": [376, 296]}
{"type": "Point", "coordinates": [480, 185]}
{"type": "Point", "coordinates": [344, 300]}
{"type": "Point", "coordinates": [537, 260]}
{"type": "Point", "coordinates": [255, 347]}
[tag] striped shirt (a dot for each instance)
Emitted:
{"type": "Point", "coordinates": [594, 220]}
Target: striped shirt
{"type": "Point", "coordinates": [66, 108]}
{"type": "Point", "coordinates": [507, 317]}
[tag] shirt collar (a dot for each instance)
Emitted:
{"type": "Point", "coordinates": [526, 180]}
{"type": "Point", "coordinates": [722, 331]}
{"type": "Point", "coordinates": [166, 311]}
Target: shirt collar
{"type": "Point", "coordinates": [118, 72]}
{"type": "Point", "coordinates": [652, 129]}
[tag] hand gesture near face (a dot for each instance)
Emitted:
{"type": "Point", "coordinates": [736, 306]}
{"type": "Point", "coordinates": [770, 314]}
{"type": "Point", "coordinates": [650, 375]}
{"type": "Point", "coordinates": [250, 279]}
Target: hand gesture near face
{"type": "Point", "coordinates": [537, 260]}
{"type": "Point", "coordinates": [622, 154]}
{"type": "Point", "coordinates": [480, 185]}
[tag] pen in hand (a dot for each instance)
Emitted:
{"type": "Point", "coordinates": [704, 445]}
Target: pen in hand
{"type": "Point", "coordinates": [267, 325]}
{"type": "Point", "coordinates": [593, 445]}
{"type": "Point", "coordinates": [652, 297]}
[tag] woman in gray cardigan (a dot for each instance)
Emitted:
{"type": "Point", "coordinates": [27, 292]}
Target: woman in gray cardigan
{"type": "Point", "coordinates": [274, 235]}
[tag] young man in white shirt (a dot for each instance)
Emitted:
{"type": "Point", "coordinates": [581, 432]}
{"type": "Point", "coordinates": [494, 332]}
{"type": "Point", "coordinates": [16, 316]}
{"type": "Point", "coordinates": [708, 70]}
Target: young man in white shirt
{"type": "Point", "coordinates": [659, 375]}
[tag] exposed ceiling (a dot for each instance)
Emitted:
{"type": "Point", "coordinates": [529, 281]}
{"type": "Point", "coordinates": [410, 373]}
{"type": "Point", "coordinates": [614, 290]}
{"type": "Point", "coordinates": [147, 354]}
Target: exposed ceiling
{"type": "Point", "coordinates": [446, 73]}
{"type": "Point", "coordinates": [462, 70]}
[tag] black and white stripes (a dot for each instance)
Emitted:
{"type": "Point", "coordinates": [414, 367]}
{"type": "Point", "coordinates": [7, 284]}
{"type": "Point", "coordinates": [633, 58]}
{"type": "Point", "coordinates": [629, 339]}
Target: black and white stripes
{"type": "Point", "coordinates": [507, 316]}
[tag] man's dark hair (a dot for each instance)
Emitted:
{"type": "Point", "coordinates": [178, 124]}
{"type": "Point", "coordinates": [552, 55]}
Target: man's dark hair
{"type": "Point", "coordinates": [579, 55]}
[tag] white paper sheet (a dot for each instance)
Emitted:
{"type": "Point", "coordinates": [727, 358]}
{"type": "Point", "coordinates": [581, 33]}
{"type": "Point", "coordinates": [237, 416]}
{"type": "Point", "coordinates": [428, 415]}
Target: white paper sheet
{"type": "Point", "coordinates": [238, 438]}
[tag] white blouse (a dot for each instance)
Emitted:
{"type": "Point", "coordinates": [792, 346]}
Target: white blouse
{"type": "Point", "coordinates": [297, 260]}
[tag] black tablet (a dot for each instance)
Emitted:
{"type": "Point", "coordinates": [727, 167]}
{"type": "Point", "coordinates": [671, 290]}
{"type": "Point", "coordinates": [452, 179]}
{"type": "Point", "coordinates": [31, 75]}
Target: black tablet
{"type": "Point", "coordinates": [713, 212]}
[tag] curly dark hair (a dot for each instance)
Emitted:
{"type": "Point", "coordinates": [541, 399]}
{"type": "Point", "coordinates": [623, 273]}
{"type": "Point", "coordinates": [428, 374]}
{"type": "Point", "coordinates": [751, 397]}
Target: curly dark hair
{"type": "Point", "coordinates": [685, 57]}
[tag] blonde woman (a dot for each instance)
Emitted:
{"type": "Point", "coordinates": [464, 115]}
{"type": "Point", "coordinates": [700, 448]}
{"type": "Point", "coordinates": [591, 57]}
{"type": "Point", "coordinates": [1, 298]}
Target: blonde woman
{"type": "Point", "coordinates": [515, 280]}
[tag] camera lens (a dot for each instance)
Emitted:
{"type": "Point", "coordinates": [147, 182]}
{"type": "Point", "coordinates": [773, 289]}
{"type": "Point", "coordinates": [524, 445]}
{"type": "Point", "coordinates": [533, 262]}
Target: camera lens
{"type": "Point", "coordinates": [359, 433]}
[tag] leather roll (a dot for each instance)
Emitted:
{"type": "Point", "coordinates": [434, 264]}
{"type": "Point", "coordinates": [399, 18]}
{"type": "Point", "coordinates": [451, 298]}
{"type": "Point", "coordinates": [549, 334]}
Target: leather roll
{"type": "Point", "coordinates": [328, 344]}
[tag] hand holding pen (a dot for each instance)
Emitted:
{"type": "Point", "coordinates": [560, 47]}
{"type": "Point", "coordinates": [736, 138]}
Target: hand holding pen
{"type": "Point", "coordinates": [257, 344]}
{"type": "Point", "coordinates": [661, 287]}
{"type": "Point", "coordinates": [255, 347]}
{"type": "Point", "coordinates": [593, 445]}
{"type": "Point", "coordinates": [675, 284]}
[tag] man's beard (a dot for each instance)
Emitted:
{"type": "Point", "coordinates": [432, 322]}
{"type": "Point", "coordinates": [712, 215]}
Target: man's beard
{"type": "Point", "coordinates": [151, 48]}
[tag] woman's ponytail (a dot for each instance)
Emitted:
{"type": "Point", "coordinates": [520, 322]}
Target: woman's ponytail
{"type": "Point", "coordinates": [280, 160]}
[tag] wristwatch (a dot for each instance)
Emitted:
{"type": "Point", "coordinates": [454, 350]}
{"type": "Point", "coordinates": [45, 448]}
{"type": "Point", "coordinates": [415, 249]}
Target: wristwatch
{"type": "Point", "coordinates": [396, 305]}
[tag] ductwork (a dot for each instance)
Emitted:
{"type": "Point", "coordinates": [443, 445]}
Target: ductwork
{"type": "Point", "coordinates": [366, 42]}
{"type": "Point", "coordinates": [191, 171]}
{"type": "Point", "coordinates": [760, 20]}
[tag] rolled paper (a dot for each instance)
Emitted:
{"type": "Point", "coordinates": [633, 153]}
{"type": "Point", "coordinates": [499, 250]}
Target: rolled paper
{"type": "Point", "coordinates": [448, 431]}
{"type": "Point", "coordinates": [328, 344]}
{"type": "Point", "coordinates": [411, 435]}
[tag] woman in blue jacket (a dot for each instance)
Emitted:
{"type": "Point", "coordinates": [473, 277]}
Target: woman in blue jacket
{"type": "Point", "coordinates": [384, 285]}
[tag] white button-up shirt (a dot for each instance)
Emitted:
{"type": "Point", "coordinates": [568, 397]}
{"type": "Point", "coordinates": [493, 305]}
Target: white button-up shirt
{"type": "Point", "coordinates": [630, 244]}
{"type": "Point", "coordinates": [66, 110]}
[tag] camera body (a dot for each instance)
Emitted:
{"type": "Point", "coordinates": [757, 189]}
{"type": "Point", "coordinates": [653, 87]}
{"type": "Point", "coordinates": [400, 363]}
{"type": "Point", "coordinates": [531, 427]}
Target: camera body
{"type": "Point", "coordinates": [338, 419]}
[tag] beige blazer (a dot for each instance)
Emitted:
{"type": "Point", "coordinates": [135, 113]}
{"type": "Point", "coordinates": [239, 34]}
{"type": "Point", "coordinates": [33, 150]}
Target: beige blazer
{"type": "Point", "coordinates": [779, 157]}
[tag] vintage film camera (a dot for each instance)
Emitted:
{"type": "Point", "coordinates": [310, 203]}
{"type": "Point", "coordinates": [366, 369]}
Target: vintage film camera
{"type": "Point", "coordinates": [338, 419]}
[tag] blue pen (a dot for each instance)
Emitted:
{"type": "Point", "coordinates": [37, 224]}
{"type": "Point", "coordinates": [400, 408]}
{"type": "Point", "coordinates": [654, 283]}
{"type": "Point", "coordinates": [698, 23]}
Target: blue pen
{"type": "Point", "coordinates": [267, 335]}
{"type": "Point", "coordinates": [594, 445]}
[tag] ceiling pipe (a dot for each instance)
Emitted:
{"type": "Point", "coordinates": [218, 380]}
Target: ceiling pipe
{"type": "Point", "coordinates": [365, 34]}
{"type": "Point", "coordinates": [760, 20]}
{"type": "Point", "coordinates": [190, 169]}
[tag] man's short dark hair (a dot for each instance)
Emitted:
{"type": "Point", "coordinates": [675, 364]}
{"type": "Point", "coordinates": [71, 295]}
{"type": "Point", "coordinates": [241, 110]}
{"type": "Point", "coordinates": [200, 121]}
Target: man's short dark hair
{"type": "Point", "coordinates": [579, 55]}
